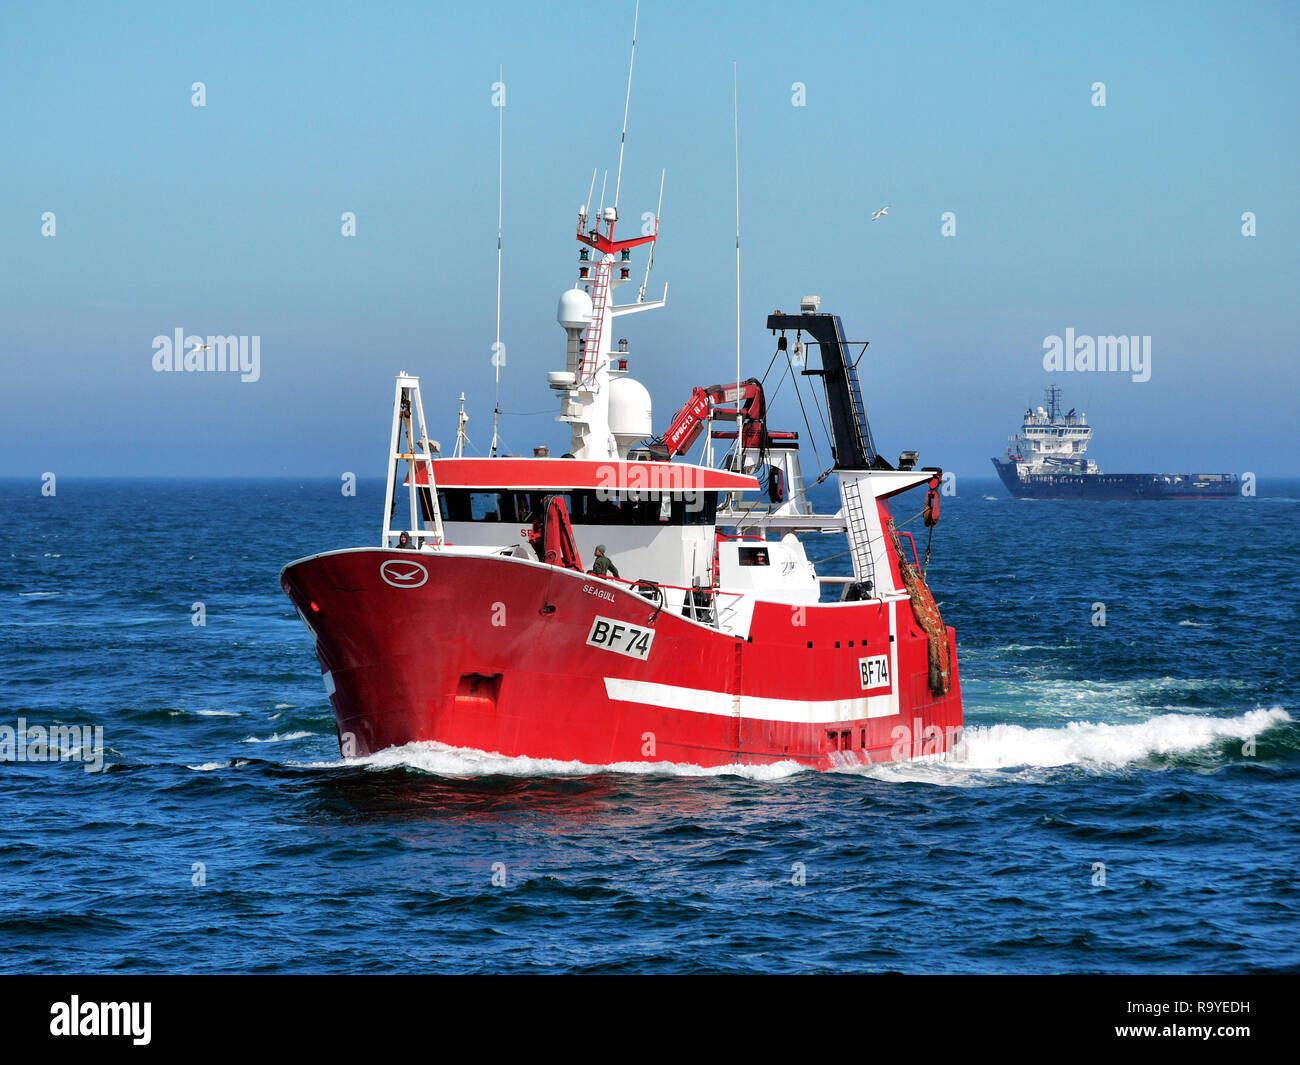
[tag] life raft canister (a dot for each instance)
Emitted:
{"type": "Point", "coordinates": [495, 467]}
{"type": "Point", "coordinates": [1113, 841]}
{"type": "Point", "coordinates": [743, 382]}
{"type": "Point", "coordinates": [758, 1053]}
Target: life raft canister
{"type": "Point", "coordinates": [931, 514]}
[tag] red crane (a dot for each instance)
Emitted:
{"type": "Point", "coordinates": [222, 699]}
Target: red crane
{"type": "Point", "coordinates": [689, 422]}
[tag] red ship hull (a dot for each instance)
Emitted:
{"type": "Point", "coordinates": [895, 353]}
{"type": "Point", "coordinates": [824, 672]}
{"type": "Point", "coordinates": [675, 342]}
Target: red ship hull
{"type": "Point", "coordinates": [505, 655]}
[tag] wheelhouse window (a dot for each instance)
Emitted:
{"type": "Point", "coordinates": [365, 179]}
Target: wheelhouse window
{"type": "Point", "coordinates": [585, 506]}
{"type": "Point", "coordinates": [491, 505]}
{"type": "Point", "coordinates": [601, 507]}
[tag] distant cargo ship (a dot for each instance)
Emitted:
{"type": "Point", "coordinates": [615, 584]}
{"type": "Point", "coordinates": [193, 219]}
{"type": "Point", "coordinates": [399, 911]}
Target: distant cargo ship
{"type": "Point", "coordinates": [1046, 461]}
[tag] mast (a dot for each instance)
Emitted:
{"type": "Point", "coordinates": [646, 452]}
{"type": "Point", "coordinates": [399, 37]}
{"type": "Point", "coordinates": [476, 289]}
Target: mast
{"type": "Point", "coordinates": [740, 418]}
{"type": "Point", "coordinates": [622, 140]}
{"type": "Point", "coordinates": [462, 437]}
{"type": "Point", "coordinates": [496, 348]}
{"type": "Point", "coordinates": [1053, 395]}
{"type": "Point", "coordinates": [587, 313]}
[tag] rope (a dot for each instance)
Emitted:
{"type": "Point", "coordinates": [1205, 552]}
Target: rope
{"type": "Point", "coordinates": [820, 418]}
{"type": "Point", "coordinates": [802, 492]}
{"type": "Point", "coordinates": [812, 439]}
{"type": "Point", "coordinates": [772, 398]}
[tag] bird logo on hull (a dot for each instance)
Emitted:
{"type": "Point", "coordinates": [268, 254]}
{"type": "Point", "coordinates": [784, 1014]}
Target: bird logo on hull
{"type": "Point", "coordinates": [402, 574]}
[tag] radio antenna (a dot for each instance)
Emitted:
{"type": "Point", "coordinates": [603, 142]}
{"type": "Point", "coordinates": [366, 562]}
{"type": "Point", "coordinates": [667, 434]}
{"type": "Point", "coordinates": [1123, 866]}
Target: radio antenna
{"type": "Point", "coordinates": [735, 113]}
{"type": "Point", "coordinates": [587, 210]}
{"type": "Point", "coordinates": [496, 348]}
{"type": "Point", "coordinates": [650, 258]}
{"type": "Point", "coordinates": [622, 140]}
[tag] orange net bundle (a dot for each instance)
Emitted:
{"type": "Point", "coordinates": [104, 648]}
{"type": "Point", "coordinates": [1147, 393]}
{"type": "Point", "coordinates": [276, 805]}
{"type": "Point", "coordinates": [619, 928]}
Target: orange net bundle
{"type": "Point", "coordinates": [927, 615]}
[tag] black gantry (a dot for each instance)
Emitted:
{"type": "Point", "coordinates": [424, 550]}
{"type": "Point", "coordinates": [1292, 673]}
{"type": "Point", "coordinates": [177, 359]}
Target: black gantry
{"type": "Point", "coordinates": [850, 432]}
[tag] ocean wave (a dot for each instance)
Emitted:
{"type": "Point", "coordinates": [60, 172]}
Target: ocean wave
{"type": "Point", "coordinates": [1069, 697]}
{"type": "Point", "coordinates": [440, 760]}
{"type": "Point", "coordinates": [1094, 745]}
{"type": "Point", "coordinates": [276, 738]}
{"type": "Point", "coordinates": [987, 748]}
{"type": "Point", "coordinates": [1018, 647]}
{"type": "Point", "coordinates": [208, 767]}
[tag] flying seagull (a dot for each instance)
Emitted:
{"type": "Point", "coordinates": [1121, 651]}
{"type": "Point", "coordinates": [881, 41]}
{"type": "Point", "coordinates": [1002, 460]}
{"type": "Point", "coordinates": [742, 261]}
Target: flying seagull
{"type": "Point", "coordinates": [883, 210]}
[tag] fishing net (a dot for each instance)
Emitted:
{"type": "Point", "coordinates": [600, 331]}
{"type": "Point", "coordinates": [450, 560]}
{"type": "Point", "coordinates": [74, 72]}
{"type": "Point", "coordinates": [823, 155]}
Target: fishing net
{"type": "Point", "coordinates": [927, 615]}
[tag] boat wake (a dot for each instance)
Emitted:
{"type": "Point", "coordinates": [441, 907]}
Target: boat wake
{"type": "Point", "coordinates": [440, 760]}
{"type": "Point", "coordinates": [990, 750]}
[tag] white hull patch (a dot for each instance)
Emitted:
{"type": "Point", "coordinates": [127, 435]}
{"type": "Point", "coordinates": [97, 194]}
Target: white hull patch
{"type": "Point", "coordinates": [757, 708]}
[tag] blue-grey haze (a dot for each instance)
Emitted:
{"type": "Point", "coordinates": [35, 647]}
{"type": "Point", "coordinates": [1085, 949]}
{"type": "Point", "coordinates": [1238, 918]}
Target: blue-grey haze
{"type": "Point", "coordinates": [225, 219]}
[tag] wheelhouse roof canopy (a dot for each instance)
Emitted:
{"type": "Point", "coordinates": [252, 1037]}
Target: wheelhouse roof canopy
{"type": "Point", "coordinates": [560, 474]}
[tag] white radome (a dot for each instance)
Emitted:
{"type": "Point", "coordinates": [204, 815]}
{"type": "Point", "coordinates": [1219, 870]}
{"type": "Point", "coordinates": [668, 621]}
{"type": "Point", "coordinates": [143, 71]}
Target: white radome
{"type": "Point", "coordinates": [630, 414]}
{"type": "Point", "coordinates": [574, 310]}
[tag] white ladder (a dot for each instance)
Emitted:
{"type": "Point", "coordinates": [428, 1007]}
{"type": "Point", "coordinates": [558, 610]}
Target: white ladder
{"type": "Point", "coordinates": [859, 532]}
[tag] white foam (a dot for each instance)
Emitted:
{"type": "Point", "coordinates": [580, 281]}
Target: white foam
{"type": "Point", "coordinates": [39, 595]}
{"type": "Point", "coordinates": [1072, 698]}
{"type": "Point", "coordinates": [989, 750]}
{"type": "Point", "coordinates": [283, 706]}
{"type": "Point", "coordinates": [217, 713]}
{"type": "Point", "coordinates": [208, 767]}
{"type": "Point", "coordinates": [1094, 745]}
{"type": "Point", "coordinates": [1016, 647]}
{"type": "Point", "coordinates": [277, 738]}
{"type": "Point", "coordinates": [444, 761]}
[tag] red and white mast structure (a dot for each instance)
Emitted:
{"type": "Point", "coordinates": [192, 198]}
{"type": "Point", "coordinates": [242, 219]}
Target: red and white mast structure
{"type": "Point", "coordinates": [605, 409]}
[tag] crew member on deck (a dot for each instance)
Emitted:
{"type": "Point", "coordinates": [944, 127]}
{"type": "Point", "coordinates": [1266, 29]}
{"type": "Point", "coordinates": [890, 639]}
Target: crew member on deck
{"type": "Point", "coordinates": [404, 542]}
{"type": "Point", "coordinates": [604, 565]}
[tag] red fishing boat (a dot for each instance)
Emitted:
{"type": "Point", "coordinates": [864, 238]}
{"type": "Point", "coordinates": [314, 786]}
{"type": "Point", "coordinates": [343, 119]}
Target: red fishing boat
{"type": "Point", "coordinates": [712, 646]}
{"type": "Point", "coordinates": [477, 620]}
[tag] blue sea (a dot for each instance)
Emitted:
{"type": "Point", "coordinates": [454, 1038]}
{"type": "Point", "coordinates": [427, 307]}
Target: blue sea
{"type": "Point", "coordinates": [1128, 799]}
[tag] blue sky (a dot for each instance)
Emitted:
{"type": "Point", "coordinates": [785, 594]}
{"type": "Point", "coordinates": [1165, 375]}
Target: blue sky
{"type": "Point", "coordinates": [225, 219]}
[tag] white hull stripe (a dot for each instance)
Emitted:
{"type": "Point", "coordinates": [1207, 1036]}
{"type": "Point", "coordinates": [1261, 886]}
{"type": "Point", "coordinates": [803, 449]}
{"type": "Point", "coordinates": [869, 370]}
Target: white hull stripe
{"type": "Point", "coordinates": [721, 704]}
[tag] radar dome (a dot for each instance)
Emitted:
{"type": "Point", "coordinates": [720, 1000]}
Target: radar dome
{"type": "Point", "coordinates": [630, 416]}
{"type": "Point", "coordinates": [574, 311]}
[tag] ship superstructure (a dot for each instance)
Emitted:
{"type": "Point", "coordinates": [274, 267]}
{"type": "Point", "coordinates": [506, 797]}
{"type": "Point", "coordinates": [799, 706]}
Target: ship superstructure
{"type": "Point", "coordinates": [1052, 442]}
